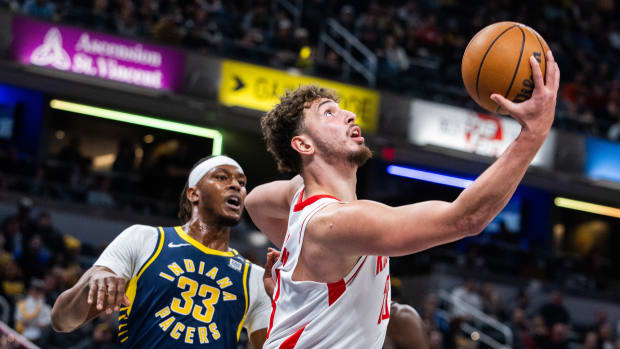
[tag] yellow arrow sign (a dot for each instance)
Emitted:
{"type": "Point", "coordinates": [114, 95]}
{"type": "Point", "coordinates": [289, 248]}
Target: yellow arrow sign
{"type": "Point", "coordinates": [254, 87]}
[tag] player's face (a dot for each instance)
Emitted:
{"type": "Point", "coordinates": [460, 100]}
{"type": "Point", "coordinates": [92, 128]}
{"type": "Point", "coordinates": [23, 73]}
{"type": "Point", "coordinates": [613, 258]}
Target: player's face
{"type": "Point", "coordinates": [222, 194]}
{"type": "Point", "coordinates": [335, 132]}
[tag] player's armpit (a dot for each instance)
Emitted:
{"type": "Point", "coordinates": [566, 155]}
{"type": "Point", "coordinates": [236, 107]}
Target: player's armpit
{"type": "Point", "coordinates": [370, 228]}
{"type": "Point", "coordinates": [269, 205]}
{"type": "Point", "coordinates": [257, 338]}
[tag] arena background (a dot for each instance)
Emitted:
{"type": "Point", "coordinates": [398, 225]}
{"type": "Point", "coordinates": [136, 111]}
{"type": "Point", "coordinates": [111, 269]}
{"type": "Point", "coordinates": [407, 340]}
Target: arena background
{"type": "Point", "coordinates": [106, 104]}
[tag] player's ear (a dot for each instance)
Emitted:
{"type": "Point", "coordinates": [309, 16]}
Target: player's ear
{"type": "Point", "coordinates": [302, 144]}
{"type": "Point", "coordinates": [192, 194]}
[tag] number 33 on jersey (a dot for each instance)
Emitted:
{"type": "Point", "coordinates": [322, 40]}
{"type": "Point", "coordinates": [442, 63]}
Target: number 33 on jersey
{"type": "Point", "coordinates": [186, 294]}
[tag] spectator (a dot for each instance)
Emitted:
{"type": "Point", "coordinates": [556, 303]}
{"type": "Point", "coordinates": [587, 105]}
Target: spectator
{"type": "Point", "coordinates": [590, 341]}
{"type": "Point", "coordinates": [520, 330]}
{"type": "Point", "coordinates": [13, 236]}
{"type": "Point", "coordinates": [347, 17]}
{"type": "Point", "coordinates": [100, 195]}
{"type": "Point", "coordinates": [557, 339]}
{"type": "Point", "coordinates": [554, 311]}
{"type": "Point", "coordinates": [13, 282]}
{"type": "Point", "coordinates": [126, 23]}
{"type": "Point", "coordinates": [605, 334]}
{"type": "Point", "coordinates": [35, 259]}
{"type": "Point", "coordinates": [42, 9]}
{"type": "Point", "coordinates": [492, 303]}
{"type": "Point", "coordinates": [614, 131]}
{"type": "Point", "coordinates": [5, 256]}
{"type": "Point", "coordinates": [33, 314]}
{"type": "Point", "coordinates": [26, 224]}
{"type": "Point", "coordinates": [395, 55]}
{"type": "Point", "coordinates": [540, 332]}
{"type": "Point", "coordinates": [52, 238]}
{"type": "Point", "coordinates": [71, 153]}
{"type": "Point", "coordinates": [466, 294]}
{"type": "Point", "coordinates": [99, 18]}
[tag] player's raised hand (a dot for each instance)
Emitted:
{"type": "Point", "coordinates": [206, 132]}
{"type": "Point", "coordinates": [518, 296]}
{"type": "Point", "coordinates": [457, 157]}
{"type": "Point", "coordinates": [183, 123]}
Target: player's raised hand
{"type": "Point", "coordinates": [269, 284]}
{"type": "Point", "coordinates": [107, 291]}
{"type": "Point", "coordinates": [536, 114]}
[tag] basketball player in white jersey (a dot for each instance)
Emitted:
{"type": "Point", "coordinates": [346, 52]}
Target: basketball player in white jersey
{"type": "Point", "coordinates": [332, 287]}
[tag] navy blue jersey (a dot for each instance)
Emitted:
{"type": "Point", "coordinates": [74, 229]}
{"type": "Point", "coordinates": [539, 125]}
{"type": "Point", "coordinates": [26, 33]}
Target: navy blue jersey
{"type": "Point", "coordinates": [186, 295]}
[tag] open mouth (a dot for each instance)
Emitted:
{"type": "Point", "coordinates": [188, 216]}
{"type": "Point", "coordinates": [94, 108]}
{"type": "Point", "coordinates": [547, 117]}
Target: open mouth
{"type": "Point", "coordinates": [234, 202]}
{"type": "Point", "coordinates": [356, 133]}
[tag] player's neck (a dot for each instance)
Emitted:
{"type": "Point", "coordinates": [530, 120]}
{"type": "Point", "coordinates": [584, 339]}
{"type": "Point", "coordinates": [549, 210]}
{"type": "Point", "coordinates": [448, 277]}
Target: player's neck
{"type": "Point", "coordinates": [322, 178]}
{"type": "Point", "coordinates": [208, 232]}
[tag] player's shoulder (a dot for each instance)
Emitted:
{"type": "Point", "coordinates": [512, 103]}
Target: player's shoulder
{"type": "Point", "coordinates": [405, 314]}
{"type": "Point", "coordinates": [140, 232]}
{"type": "Point", "coordinates": [141, 229]}
{"type": "Point", "coordinates": [256, 269]}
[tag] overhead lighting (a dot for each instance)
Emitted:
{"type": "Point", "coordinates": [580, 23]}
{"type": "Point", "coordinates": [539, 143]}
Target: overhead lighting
{"type": "Point", "coordinates": [141, 120]}
{"type": "Point", "coordinates": [587, 207]}
{"type": "Point", "coordinates": [429, 176]}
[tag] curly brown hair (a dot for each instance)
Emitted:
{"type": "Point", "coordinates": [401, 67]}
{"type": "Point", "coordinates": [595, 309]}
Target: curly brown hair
{"type": "Point", "coordinates": [285, 121]}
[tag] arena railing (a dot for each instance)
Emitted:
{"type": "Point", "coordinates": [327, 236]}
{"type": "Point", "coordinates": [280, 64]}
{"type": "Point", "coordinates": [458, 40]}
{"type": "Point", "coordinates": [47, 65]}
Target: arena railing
{"type": "Point", "coordinates": [294, 7]}
{"type": "Point", "coordinates": [482, 319]}
{"type": "Point", "coordinates": [9, 338]}
{"type": "Point", "coordinates": [5, 310]}
{"type": "Point", "coordinates": [330, 37]}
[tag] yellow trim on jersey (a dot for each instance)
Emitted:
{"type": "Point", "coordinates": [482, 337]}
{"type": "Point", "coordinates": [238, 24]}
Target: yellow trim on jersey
{"type": "Point", "coordinates": [132, 288]}
{"type": "Point", "coordinates": [245, 293]}
{"type": "Point", "coordinates": [200, 246]}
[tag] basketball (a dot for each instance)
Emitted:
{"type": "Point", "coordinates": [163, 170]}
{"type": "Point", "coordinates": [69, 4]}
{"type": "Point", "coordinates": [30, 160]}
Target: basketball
{"type": "Point", "coordinates": [496, 60]}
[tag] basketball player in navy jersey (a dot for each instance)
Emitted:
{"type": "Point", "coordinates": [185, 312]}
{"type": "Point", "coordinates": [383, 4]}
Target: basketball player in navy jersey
{"type": "Point", "coordinates": [178, 287]}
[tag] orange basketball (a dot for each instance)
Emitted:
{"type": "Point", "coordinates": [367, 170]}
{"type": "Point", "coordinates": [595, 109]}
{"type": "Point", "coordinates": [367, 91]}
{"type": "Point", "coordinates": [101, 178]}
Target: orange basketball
{"type": "Point", "coordinates": [496, 60]}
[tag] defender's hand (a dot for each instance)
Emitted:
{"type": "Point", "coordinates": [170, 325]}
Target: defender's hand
{"type": "Point", "coordinates": [536, 114]}
{"type": "Point", "coordinates": [269, 284]}
{"type": "Point", "coordinates": [108, 290]}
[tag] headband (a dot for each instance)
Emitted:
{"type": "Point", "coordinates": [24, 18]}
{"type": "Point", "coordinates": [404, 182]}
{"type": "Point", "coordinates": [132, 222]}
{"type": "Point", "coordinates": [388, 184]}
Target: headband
{"type": "Point", "coordinates": [201, 170]}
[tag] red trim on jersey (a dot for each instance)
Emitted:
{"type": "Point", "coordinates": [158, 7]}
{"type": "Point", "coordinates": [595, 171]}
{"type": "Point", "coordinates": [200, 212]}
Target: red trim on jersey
{"type": "Point", "coordinates": [335, 290]}
{"type": "Point", "coordinates": [291, 341]}
{"type": "Point", "coordinates": [300, 205]}
{"type": "Point", "coordinates": [273, 303]}
{"type": "Point", "coordinates": [357, 271]}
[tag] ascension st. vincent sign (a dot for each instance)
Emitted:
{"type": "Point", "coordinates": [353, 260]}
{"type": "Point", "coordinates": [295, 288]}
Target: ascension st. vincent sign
{"type": "Point", "coordinates": [91, 53]}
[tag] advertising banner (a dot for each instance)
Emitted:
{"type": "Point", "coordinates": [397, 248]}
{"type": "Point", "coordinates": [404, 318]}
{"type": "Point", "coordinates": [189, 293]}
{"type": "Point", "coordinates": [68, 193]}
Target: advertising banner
{"type": "Point", "coordinates": [254, 87]}
{"type": "Point", "coordinates": [466, 130]}
{"type": "Point", "coordinates": [94, 54]}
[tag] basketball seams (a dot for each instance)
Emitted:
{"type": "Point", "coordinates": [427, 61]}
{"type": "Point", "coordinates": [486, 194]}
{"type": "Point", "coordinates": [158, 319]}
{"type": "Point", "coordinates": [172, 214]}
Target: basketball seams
{"type": "Point", "coordinates": [517, 67]}
{"type": "Point", "coordinates": [485, 56]}
{"type": "Point", "coordinates": [544, 55]}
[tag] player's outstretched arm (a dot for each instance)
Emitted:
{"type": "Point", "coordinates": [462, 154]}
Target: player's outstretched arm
{"type": "Point", "coordinates": [98, 290]}
{"type": "Point", "coordinates": [370, 228]}
{"type": "Point", "coordinates": [269, 205]}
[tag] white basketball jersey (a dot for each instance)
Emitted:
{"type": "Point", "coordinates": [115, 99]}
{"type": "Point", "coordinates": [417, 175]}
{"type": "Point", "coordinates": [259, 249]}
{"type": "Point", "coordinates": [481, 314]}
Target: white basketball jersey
{"type": "Point", "coordinates": [350, 313]}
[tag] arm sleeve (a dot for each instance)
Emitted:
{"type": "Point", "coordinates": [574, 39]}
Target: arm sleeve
{"type": "Point", "coordinates": [260, 304]}
{"type": "Point", "coordinates": [129, 251]}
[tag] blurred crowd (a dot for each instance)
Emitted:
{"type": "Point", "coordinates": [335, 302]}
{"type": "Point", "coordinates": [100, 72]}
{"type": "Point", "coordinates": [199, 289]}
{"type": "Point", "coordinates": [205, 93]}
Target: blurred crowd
{"type": "Point", "coordinates": [37, 263]}
{"type": "Point", "coordinates": [543, 325]}
{"type": "Point", "coordinates": [130, 184]}
{"type": "Point", "coordinates": [419, 44]}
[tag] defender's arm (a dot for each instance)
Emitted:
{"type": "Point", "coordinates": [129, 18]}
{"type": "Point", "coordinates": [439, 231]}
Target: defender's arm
{"type": "Point", "coordinates": [269, 205]}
